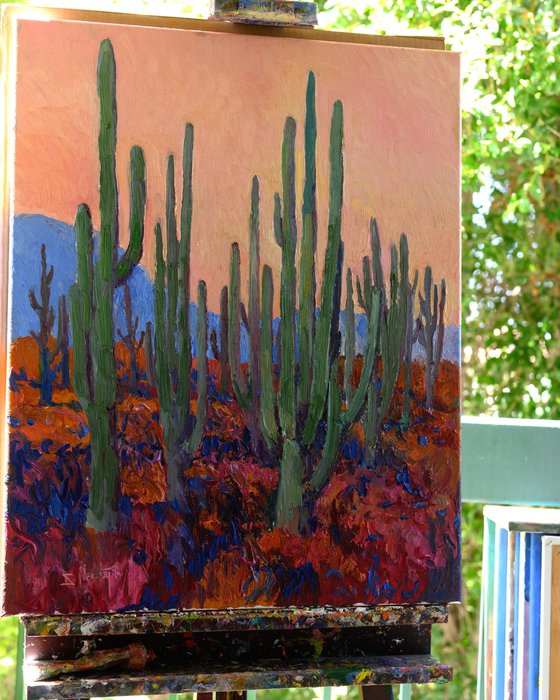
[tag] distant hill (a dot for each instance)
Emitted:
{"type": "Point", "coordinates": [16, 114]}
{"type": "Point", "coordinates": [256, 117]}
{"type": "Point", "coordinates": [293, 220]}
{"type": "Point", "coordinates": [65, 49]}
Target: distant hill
{"type": "Point", "coordinates": [32, 230]}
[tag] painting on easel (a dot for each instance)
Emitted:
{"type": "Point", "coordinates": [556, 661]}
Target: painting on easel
{"type": "Point", "coordinates": [233, 374]}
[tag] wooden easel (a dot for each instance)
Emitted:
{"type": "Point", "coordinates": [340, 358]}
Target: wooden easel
{"type": "Point", "coordinates": [236, 650]}
{"type": "Point", "coordinates": [223, 654]}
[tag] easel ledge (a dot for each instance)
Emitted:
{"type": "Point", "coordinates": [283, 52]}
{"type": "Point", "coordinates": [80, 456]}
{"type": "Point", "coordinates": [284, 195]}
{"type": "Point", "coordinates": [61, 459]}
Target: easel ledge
{"type": "Point", "coordinates": [233, 620]}
{"type": "Point", "coordinates": [238, 650]}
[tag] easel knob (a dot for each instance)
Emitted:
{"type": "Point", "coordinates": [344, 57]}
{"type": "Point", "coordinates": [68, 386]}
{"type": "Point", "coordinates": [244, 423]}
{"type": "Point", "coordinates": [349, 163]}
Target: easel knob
{"type": "Point", "coordinates": [293, 13]}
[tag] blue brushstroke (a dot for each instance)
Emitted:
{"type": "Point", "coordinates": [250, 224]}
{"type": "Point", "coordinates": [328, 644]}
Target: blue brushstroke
{"type": "Point", "coordinates": [30, 231]}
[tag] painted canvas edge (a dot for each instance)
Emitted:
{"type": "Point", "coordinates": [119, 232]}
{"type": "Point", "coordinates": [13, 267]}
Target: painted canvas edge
{"type": "Point", "coordinates": [7, 58]}
{"type": "Point", "coordinates": [549, 545]}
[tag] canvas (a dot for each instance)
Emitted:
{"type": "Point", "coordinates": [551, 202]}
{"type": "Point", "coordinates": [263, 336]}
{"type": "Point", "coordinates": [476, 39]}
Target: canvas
{"type": "Point", "coordinates": [233, 373]}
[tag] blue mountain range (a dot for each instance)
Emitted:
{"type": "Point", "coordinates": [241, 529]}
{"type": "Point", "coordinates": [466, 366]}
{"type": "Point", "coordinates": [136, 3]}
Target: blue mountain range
{"type": "Point", "coordinates": [30, 231]}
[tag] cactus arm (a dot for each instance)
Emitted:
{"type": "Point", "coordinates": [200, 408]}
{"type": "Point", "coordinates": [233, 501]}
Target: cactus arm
{"type": "Point", "coordinates": [244, 316]}
{"type": "Point", "coordinates": [161, 364]}
{"type": "Point", "coordinates": [62, 328]}
{"type": "Point", "coordinates": [357, 403]}
{"type": "Point", "coordinates": [322, 474]}
{"type": "Point", "coordinates": [392, 335]}
{"type": "Point", "coordinates": [364, 299]}
{"type": "Point", "coordinates": [307, 281]}
{"type": "Point", "coordinates": [394, 276]}
{"type": "Point", "coordinates": [320, 380]}
{"type": "Point", "coordinates": [335, 337]}
{"type": "Point", "coordinates": [411, 335]}
{"type": "Point", "coordinates": [287, 390]}
{"type": "Point", "coordinates": [375, 243]}
{"type": "Point", "coordinates": [350, 338]}
{"type": "Point", "coordinates": [214, 344]}
{"type": "Point", "coordinates": [441, 328]}
{"type": "Point", "coordinates": [254, 300]}
{"type": "Point", "coordinates": [234, 332]}
{"type": "Point", "coordinates": [224, 367]}
{"type": "Point", "coordinates": [184, 333]}
{"type": "Point", "coordinates": [83, 228]}
{"type": "Point", "coordinates": [193, 443]}
{"type": "Point", "coordinates": [33, 301]}
{"type": "Point", "coordinates": [137, 183]}
{"type": "Point", "coordinates": [81, 305]}
{"type": "Point", "coordinates": [269, 428]}
{"type": "Point", "coordinates": [278, 219]}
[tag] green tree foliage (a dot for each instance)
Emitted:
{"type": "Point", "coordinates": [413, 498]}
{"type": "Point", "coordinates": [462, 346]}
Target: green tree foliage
{"type": "Point", "coordinates": [511, 190]}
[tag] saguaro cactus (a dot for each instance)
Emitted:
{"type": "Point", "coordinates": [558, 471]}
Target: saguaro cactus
{"type": "Point", "coordinates": [411, 336]}
{"type": "Point", "coordinates": [149, 355]}
{"type": "Point", "coordinates": [174, 362]}
{"type": "Point", "coordinates": [247, 397]}
{"type": "Point", "coordinates": [392, 324]}
{"type": "Point", "coordinates": [431, 329]}
{"type": "Point", "coordinates": [45, 312]}
{"type": "Point", "coordinates": [63, 342]}
{"type": "Point", "coordinates": [220, 350]}
{"type": "Point", "coordinates": [290, 415]}
{"type": "Point", "coordinates": [350, 337]}
{"type": "Point", "coordinates": [92, 298]}
{"type": "Point", "coordinates": [132, 343]}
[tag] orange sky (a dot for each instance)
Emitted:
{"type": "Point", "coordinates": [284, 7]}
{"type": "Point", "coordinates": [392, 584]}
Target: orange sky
{"type": "Point", "coordinates": [401, 110]}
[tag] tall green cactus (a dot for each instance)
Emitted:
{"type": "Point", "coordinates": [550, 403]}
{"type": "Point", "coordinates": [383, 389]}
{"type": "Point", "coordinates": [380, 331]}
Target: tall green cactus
{"type": "Point", "coordinates": [392, 318]}
{"type": "Point", "coordinates": [92, 297]}
{"type": "Point", "coordinates": [411, 336]}
{"type": "Point", "coordinates": [431, 329]}
{"type": "Point", "coordinates": [173, 351]}
{"type": "Point", "coordinates": [350, 337]}
{"type": "Point", "coordinates": [220, 350]}
{"type": "Point", "coordinates": [290, 414]}
{"type": "Point", "coordinates": [247, 397]}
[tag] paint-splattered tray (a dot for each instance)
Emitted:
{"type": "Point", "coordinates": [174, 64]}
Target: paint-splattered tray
{"type": "Point", "coordinates": [380, 670]}
{"type": "Point", "coordinates": [234, 620]}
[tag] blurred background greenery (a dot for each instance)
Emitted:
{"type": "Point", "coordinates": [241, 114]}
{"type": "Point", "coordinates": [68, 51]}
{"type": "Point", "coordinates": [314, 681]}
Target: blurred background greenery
{"type": "Point", "coordinates": [511, 239]}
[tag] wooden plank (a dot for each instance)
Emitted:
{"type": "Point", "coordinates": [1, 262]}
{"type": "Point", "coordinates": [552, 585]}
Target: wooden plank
{"type": "Point", "coordinates": [549, 681]}
{"type": "Point", "coordinates": [379, 692]}
{"type": "Point", "coordinates": [14, 12]}
{"type": "Point", "coordinates": [500, 600]}
{"type": "Point", "coordinates": [234, 620]}
{"type": "Point", "coordinates": [555, 626]}
{"type": "Point", "coordinates": [379, 670]}
{"type": "Point", "coordinates": [510, 461]}
{"type": "Point", "coordinates": [525, 519]}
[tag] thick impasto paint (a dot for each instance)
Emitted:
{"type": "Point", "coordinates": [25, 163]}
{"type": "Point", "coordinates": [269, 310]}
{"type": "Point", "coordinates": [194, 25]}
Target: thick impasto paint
{"type": "Point", "coordinates": [234, 284]}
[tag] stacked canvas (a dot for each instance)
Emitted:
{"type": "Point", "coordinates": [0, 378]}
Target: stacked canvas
{"type": "Point", "coordinates": [517, 621]}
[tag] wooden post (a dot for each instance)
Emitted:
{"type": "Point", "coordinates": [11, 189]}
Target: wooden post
{"type": "Point", "coordinates": [20, 686]}
{"type": "Point", "coordinates": [376, 692]}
